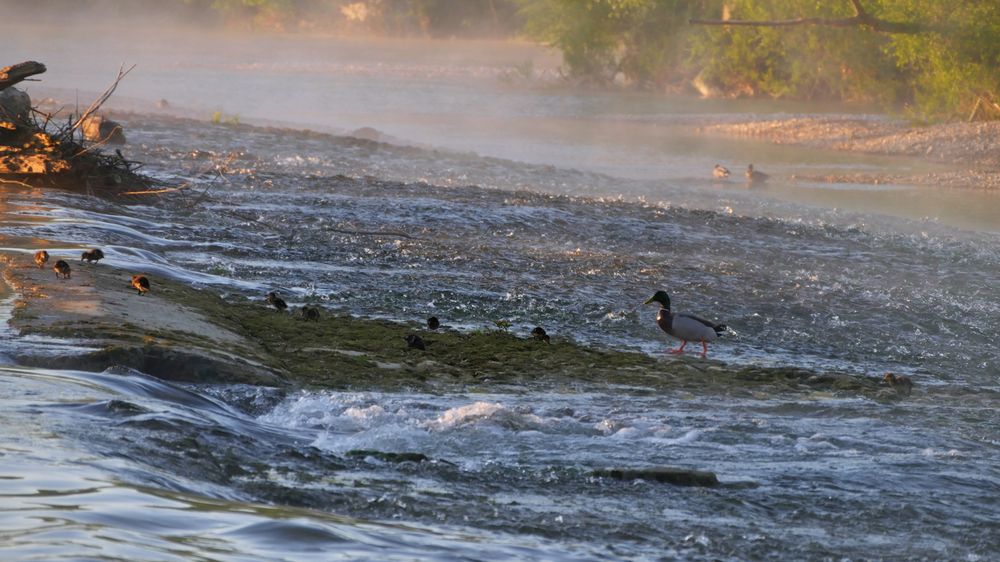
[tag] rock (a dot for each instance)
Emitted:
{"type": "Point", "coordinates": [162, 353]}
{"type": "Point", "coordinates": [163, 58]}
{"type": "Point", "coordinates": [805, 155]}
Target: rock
{"type": "Point", "coordinates": [97, 128]}
{"type": "Point", "coordinates": [15, 106]}
{"type": "Point", "coordinates": [663, 474]}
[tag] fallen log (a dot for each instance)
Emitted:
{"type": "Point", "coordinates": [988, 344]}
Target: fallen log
{"type": "Point", "coordinates": [10, 75]}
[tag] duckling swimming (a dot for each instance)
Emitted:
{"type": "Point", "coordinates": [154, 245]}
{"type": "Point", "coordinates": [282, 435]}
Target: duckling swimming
{"type": "Point", "coordinates": [720, 172]}
{"type": "Point", "coordinates": [277, 302]}
{"type": "Point", "coordinates": [433, 323]}
{"type": "Point", "coordinates": [92, 256]}
{"type": "Point", "coordinates": [539, 334]}
{"type": "Point", "coordinates": [41, 258]}
{"type": "Point", "coordinates": [414, 341]}
{"type": "Point", "coordinates": [901, 383]}
{"type": "Point", "coordinates": [310, 313]}
{"type": "Point", "coordinates": [62, 269]}
{"type": "Point", "coordinates": [140, 283]}
{"type": "Point", "coordinates": [685, 327]}
{"type": "Point", "coordinates": [754, 176]}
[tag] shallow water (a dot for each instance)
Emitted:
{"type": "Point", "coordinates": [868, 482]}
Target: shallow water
{"type": "Point", "coordinates": [573, 227]}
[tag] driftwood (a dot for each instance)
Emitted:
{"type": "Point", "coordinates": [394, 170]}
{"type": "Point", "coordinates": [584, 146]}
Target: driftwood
{"type": "Point", "coordinates": [10, 75]}
{"type": "Point", "coordinates": [861, 18]}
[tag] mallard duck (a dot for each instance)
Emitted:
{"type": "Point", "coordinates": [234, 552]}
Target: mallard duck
{"type": "Point", "coordinates": [684, 327]}
{"type": "Point", "coordinates": [310, 313]}
{"type": "Point", "coordinates": [41, 258]}
{"type": "Point", "coordinates": [539, 334]}
{"type": "Point", "coordinates": [413, 341]}
{"type": "Point", "coordinates": [62, 269]}
{"type": "Point", "coordinates": [901, 383]}
{"type": "Point", "coordinates": [277, 302]}
{"type": "Point", "coordinates": [140, 283]}
{"type": "Point", "coordinates": [720, 172]}
{"type": "Point", "coordinates": [433, 323]}
{"type": "Point", "coordinates": [92, 256]}
{"type": "Point", "coordinates": [753, 176]}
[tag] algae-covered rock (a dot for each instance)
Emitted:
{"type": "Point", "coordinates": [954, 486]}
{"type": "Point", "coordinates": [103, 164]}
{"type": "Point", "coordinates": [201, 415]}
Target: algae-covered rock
{"type": "Point", "coordinates": [663, 474]}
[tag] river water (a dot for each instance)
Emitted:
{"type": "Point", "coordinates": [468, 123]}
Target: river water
{"type": "Point", "coordinates": [517, 201]}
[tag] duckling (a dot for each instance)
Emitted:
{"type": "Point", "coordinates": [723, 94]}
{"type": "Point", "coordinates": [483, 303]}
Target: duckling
{"type": "Point", "coordinates": [277, 302]}
{"type": "Point", "coordinates": [684, 326]}
{"type": "Point", "coordinates": [433, 323]}
{"type": "Point", "coordinates": [41, 258]}
{"type": "Point", "coordinates": [310, 313]}
{"type": "Point", "coordinates": [539, 334]}
{"type": "Point", "coordinates": [140, 283]}
{"type": "Point", "coordinates": [753, 176]}
{"type": "Point", "coordinates": [92, 256]}
{"type": "Point", "coordinates": [414, 341]}
{"type": "Point", "coordinates": [901, 383]}
{"type": "Point", "coordinates": [62, 269]}
{"type": "Point", "coordinates": [720, 172]}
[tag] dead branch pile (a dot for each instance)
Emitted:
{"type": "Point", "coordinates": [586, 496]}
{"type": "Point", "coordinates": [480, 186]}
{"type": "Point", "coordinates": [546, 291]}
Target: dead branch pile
{"type": "Point", "coordinates": [39, 149]}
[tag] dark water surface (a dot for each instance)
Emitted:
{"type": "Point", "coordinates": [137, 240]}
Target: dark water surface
{"type": "Point", "coordinates": [572, 236]}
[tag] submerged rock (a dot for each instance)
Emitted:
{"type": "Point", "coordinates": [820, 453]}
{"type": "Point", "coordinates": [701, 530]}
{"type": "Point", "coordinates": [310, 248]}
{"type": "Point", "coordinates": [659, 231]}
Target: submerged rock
{"type": "Point", "coordinates": [663, 474]}
{"type": "Point", "coordinates": [97, 128]}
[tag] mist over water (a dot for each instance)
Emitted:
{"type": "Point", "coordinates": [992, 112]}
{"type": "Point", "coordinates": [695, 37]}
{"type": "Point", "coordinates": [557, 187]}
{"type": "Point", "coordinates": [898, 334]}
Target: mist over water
{"type": "Point", "coordinates": [528, 203]}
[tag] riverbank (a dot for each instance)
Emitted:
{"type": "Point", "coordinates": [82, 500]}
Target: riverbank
{"type": "Point", "coordinates": [178, 332]}
{"type": "Point", "coordinates": [973, 148]}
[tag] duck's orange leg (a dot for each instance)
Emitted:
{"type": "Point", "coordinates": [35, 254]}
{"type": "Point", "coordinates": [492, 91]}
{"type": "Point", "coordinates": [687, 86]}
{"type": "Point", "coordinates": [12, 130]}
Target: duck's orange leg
{"type": "Point", "coordinates": [680, 349]}
{"type": "Point", "coordinates": [704, 349]}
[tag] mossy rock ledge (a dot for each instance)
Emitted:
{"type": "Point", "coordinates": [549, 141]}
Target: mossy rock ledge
{"type": "Point", "coordinates": [179, 332]}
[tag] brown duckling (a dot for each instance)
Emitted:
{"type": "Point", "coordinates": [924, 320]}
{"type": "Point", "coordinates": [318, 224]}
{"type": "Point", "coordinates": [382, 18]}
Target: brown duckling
{"type": "Point", "coordinates": [433, 323]}
{"type": "Point", "coordinates": [62, 269]}
{"type": "Point", "coordinates": [720, 172]}
{"type": "Point", "coordinates": [41, 258]}
{"type": "Point", "coordinates": [900, 383]}
{"type": "Point", "coordinates": [277, 302]}
{"type": "Point", "coordinates": [413, 341]}
{"type": "Point", "coordinates": [309, 313]}
{"type": "Point", "coordinates": [92, 256]}
{"type": "Point", "coordinates": [140, 283]}
{"type": "Point", "coordinates": [539, 334]}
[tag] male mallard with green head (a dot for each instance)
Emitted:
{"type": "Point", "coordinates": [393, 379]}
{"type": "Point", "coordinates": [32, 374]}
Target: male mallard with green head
{"type": "Point", "coordinates": [720, 172]}
{"type": "Point", "coordinates": [684, 327]}
{"type": "Point", "coordinates": [41, 258]}
{"type": "Point", "coordinates": [62, 269]}
{"type": "Point", "coordinates": [92, 256]}
{"type": "Point", "coordinates": [754, 176]}
{"type": "Point", "coordinates": [140, 283]}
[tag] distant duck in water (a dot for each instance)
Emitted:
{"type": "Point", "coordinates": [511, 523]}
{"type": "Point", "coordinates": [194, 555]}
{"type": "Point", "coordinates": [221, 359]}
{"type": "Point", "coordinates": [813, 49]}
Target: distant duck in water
{"type": "Point", "coordinates": [433, 323]}
{"type": "Point", "coordinates": [62, 269]}
{"type": "Point", "coordinates": [92, 256]}
{"type": "Point", "coordinates": [310, 313]}
{"type": "Point", "coordinates": [140, 283]}
{"type": "Point", "coordinates": [684, 327]}
{"type": "Point", "coordinates": [41, 258]}
{"type": "Point", "coordinates": [900, 383]}
{"type": "Point", "coordinates": [720, 172]}
{"type": "Point", "coordinates": [539, 334]}
{"type": "Point", "coordinates": [277, 302]}
{"type": "Point", "coordinates": [753, 176]}
{"type": "Point", "coordinates": [414, 341]}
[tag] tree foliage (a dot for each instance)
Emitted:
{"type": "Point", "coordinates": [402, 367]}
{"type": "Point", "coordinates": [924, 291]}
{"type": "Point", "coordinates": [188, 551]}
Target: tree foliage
{"type": "Point", "coordinates": [935, 58]}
